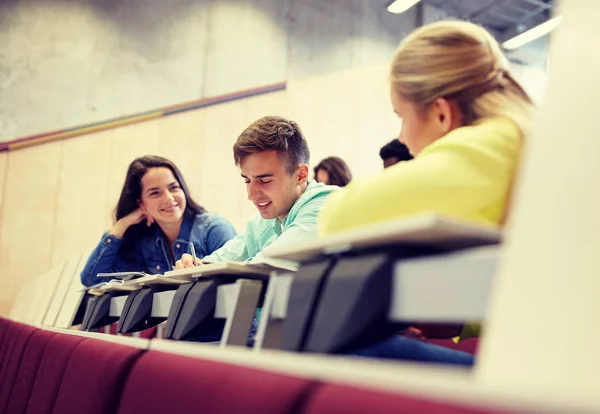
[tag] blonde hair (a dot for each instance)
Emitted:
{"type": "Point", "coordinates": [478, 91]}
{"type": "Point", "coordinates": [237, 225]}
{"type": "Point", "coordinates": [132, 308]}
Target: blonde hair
{"type": "Point", "coordinates": [460, 61]}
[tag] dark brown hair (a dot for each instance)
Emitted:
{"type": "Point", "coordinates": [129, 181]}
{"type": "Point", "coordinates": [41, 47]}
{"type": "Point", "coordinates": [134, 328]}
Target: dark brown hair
{"type": "Point", "coordinates": [337, 169]}
{"type": "Point", "coordinates": [132, 192]}
{"type": "Point", "coordinates": [395, 149]}
{"type": "Point", "coordinates": [273, 133]}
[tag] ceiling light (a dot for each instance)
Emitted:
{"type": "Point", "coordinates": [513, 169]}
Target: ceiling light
{"type": "Point", "coordinates": [400, 6]}
{"type": "Point", "coordinates": [532, 34]}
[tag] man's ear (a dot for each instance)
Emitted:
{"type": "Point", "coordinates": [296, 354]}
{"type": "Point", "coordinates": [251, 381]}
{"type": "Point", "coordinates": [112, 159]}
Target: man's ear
{"type": "Point", "coordinates": [446, 115]}
{"type": "Point", "coordinates": [302, 173]}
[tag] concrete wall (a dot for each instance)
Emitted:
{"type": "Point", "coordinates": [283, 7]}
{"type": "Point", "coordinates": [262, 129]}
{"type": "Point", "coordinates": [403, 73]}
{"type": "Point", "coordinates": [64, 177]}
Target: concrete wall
{"type": "Point", "coordinates": [71, 62]}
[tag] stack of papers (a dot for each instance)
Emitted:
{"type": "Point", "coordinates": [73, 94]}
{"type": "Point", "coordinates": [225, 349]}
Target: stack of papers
{"type": "Point", "coordinates": [129, 281]}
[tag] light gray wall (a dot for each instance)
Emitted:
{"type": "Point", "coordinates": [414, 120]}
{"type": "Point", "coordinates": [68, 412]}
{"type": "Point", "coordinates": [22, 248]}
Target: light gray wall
{"type": "Point", "coordinates": [71, 62]}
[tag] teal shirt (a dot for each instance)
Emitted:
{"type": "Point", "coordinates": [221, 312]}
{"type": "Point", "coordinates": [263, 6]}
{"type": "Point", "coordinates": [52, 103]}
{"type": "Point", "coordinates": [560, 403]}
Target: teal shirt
{"type": "Point", "coordinates": [300, 223]}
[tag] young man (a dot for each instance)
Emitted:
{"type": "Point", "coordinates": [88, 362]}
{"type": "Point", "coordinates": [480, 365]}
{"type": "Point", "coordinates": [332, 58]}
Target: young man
{"type": "Point", "coordinates": [394, 152]}
{"type": "Point", "coordinates": [273, 157]}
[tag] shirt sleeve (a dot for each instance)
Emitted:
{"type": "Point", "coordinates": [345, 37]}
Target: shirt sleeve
{"type": "Point", "coordinates": [218, 234]}
{"type": "Point", "coordinates": [105, 258]}
{"type": "Point", "coordinates": [304, 226]}
{"type": "Point", "coordinates": [235, 250]}
{"type": "Point", "coordinates": [465, 175]}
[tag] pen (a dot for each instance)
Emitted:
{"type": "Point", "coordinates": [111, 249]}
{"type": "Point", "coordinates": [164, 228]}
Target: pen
{"type": "Point", "coordinates": [193, 254]}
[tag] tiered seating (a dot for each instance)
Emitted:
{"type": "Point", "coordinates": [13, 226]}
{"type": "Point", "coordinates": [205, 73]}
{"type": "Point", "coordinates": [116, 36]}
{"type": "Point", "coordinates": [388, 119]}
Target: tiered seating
{"type": "Point", "coordinates": [93, 380]}
{"type": "Point", "coordinates": [48, 372]}
{"type": "Point", "coordinates": [62, 373]}
{"type": "Point", "coordinates": [212, 387]}
{"type": "Point", "coordinates": [331, 398]}
{"type": "Point", "coordinates": [15, 394]}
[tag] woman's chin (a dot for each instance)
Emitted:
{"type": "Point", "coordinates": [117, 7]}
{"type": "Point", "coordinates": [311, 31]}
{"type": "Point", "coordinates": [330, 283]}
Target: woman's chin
{"type": "Point", "coordinates": [169, 218]}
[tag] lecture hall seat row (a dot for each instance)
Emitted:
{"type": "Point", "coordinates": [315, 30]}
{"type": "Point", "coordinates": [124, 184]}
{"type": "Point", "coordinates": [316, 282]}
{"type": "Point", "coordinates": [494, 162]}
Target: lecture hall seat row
{"type": "Point", "coordinates": [57, 298]}
{"type": "Point", "coordinates": [43, 372]}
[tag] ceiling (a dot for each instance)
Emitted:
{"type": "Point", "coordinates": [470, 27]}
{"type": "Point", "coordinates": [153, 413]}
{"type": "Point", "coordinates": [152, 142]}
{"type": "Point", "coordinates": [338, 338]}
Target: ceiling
{"type": "Point", "coordinates": [505, 19]}
{"type": "Point", "coordinates": [498, 15]}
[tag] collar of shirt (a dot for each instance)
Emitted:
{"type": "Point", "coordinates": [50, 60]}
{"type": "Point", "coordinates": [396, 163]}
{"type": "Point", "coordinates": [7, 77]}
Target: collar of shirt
{"type": "Point", "coordinates": [184, 231]}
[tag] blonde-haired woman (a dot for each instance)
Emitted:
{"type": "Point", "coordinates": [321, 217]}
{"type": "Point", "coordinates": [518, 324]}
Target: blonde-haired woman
{"type": "Point", "coordinates": [464, 119]}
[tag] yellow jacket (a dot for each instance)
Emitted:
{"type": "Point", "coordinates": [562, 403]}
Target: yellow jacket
{"type": "Point", "coordinates": [467, 174]}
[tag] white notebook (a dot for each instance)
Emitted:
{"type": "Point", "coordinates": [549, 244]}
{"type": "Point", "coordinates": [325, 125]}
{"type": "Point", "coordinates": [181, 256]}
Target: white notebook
{"type": "Point", "coordinates": [230, 268]}
{"type": "Point", "coordinates": [122, 275]}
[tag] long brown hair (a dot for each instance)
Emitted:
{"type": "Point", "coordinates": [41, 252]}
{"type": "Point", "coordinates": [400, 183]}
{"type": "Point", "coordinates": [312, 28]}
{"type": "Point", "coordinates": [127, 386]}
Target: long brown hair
{"type": "Point", "coordinates": [132, 192]}
{"type": "Point", "coordinates": [337, 169]}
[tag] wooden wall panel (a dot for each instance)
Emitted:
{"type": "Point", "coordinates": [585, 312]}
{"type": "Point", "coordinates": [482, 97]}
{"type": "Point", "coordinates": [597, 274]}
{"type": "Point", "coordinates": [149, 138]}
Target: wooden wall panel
{"type": "Point", "coordinates": [223, 124]}
{"type": "Point", "coordinates": [126, 144]}
{"type": "Point", "coordinates": [327, 114]}
{"type": "Point", "coordinates": [3, 169]}
{"type": "Point", "coordinates": [377, 123]}
{"type": "Point", "coordinates": [182, 141]}
{"type": "Point", "coordinates": [346, 114]}
{"type": "Point", "coordinates": [4, 302]}
{"type": "Point", "coordinates": [83, 210]}
{"type": "Point", "coordinates": [27, 217]}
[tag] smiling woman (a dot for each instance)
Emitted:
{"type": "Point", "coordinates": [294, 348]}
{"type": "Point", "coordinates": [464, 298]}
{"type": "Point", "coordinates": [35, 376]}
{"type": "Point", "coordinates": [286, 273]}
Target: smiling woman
{"type": "Point", "coordinates": [156, 219]}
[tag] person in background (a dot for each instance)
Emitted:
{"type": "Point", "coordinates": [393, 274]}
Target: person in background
{"type": "Point", "coordinates": [333, 171]}
{"type": "Point", "coordinates": [464, 120]}
{"type": "Point", "coordinates": [394, 152]}
{"type": "Point", "coordinates": [156, 218]}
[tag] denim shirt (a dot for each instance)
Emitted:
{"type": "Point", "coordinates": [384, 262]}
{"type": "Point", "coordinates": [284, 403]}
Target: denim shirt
{"type": "Point", "coordinates": [151, 253]}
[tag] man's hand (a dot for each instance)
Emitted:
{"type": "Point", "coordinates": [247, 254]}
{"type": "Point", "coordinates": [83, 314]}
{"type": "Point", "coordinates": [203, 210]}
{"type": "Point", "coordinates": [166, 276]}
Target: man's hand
{"type": "Point", "coordinates": [186, 261]}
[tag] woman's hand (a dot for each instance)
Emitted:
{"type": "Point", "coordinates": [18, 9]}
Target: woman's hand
{"type": "Point", "coordinates": [135, 217]}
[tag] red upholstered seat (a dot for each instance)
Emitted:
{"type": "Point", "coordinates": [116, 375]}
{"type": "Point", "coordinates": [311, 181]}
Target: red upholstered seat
{"type": "Point", "coordinates": [50, 373]}
{"type": "Point", "coordinates": [4, 323]}
{"type": "Point", "coordinates": [13, 358]}
{"type": "Point", "coordinates": [28, 369]}
{"type": "Point", "coordinates": [332, 398]}
{"type": "Point", "coordinates": [94, 378]}
{"type": "Point", "coordinates": [13, 337]}
{"type": "Point", "coordinates": [9, 334]}
{"type": "Point", "coordinates": [43, 372]}
{"type": "Point", "coordinates": [165, 383]}
{"type": "Point", "coordinates": [149, 333]}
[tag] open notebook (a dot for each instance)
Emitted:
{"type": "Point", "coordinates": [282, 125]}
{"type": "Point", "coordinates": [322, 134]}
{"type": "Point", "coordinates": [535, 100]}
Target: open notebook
{"type": "Point", "coordinates": [129, 281]}
{"type": "Point", "coordinates": [262, 267]}
{"type": "Point", "coordinates": [115, 281]}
